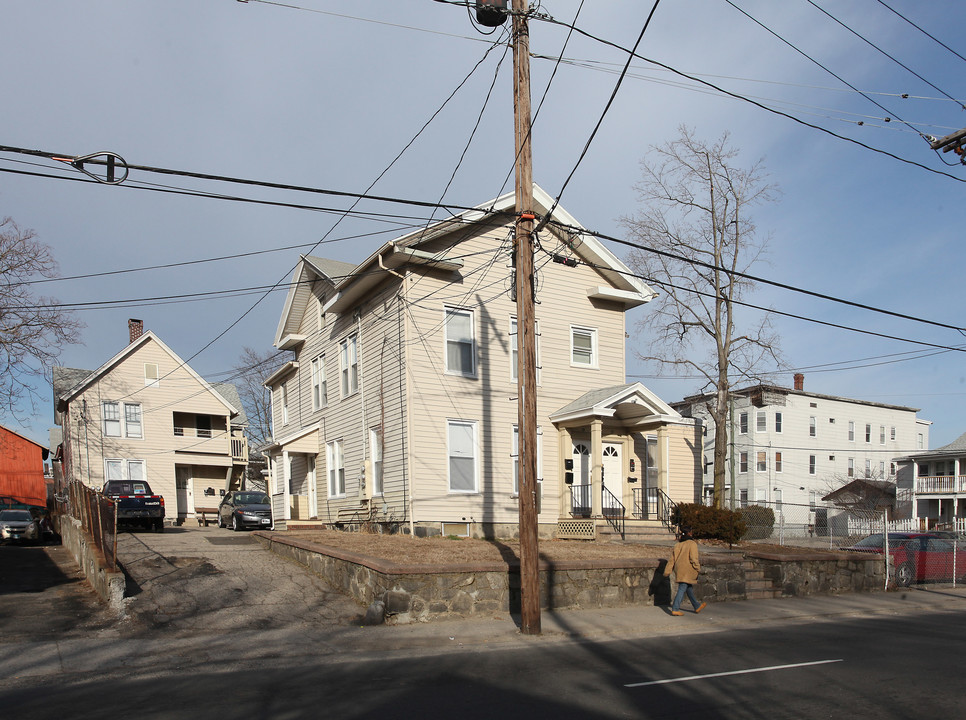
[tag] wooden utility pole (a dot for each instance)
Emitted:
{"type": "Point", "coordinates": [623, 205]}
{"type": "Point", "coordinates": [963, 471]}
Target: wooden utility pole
{"type": "Point", "coordinates": [526, 338]}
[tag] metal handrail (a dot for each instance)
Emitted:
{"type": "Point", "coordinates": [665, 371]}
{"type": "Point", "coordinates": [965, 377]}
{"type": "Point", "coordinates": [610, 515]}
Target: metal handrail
{"type": "Point", "coordinates": [659, 504]}
{"type": "Point", "coordinates": [580, 500]}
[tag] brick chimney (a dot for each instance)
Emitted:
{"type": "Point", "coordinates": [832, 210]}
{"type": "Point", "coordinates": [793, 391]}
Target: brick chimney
{"type": "Point", "coordinates": [799, 381]}
{"type": "Point", "coordinates": [135, 329]}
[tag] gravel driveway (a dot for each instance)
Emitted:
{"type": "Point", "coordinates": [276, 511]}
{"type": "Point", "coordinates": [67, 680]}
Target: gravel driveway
{"type": "Point", "coordinates": [198, 580]}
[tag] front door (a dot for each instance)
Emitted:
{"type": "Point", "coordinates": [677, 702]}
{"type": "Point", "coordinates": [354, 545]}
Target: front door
{"type": "Point", "coordinates": [612, 473]}
{"type": "Point", "coordinates": [186, 500]}
{"type": "Point", "coordinates": [580, 504]}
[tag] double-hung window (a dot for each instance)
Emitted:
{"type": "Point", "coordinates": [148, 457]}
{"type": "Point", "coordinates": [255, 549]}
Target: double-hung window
{"type": "Point", "coordinates": [116, 425]}
{"type": "Point", "coordinates": [761, 462]}
{"type": "Point", "coordinates": [318, 382]}
{"type": "Point", "coordinates": [124, 469]}
{"type": "Point", "coordinates": [515, 350]}
{"type": "Point", "coordinates": [462, 449]}
{"type": "Point", "coordinates": [583, 346]}
{"type": "Point", "coordinates": [516, 458]}
{"type": "Point", "coordinates": [335, 463]}
{"type": "Point", "coordinates": [743, 462]}
{"type": "Point", "coordinates": [778, 422]}
{"type": "Point", "coordinates": [375, 452]}
{"type": "Point", "coordinates": [778, 462]}
{"type": "Point", "coordinates": [460, 342]}
{"type": "Point", "coordinates": [761, 421]}
{"type": "Point", "coordinates": [743, 423]}
{"type": "Point", "coordinates": [349, 365]}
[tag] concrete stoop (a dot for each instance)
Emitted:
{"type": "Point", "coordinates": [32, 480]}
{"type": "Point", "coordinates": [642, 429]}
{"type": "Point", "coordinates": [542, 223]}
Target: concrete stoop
{"type": "Point", "coordinates": [757, 586]}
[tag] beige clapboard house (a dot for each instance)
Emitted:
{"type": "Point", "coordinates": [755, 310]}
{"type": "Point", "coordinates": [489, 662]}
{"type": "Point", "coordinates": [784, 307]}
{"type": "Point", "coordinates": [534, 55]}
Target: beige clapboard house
{"type": "Point", "coordinates": [398, 405]}
{"type": "Point", "coordinates": [145, 414]}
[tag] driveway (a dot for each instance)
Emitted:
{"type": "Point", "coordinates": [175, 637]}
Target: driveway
{"type": "Point", "coordinates": [200, 580]}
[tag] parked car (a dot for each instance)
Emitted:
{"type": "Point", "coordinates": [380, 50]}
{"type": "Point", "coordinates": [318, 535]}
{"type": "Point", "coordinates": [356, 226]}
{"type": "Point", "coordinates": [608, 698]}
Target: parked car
{"type": "Point", "coordinates": [245, 508]}
{"type": "Point", "coordinates": [18, 526]}
{"type": "Point", "coordinates": [918, 557]}
{"type": "Point", "coordinates": [136, 504]}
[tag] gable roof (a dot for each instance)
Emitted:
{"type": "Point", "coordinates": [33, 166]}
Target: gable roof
{"type": "Point", "coordinates": [956, 447]}
{"type": "Point", "coordinates": [632, 404]}
{"type": "Point", "coordinates": [65, 396]}
{"type": "Point", "coordinates": [350, 283]}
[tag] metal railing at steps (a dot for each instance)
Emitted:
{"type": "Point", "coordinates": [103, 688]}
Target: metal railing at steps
{"type": "Point", "coordinates": [613, 510]}
{"type": "Point", "coordinates": [652, 503]}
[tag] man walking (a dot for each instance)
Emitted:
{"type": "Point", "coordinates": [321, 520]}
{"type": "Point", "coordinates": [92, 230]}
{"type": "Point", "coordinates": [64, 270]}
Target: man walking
{"type": "Point", "coordinates": [686, 566]}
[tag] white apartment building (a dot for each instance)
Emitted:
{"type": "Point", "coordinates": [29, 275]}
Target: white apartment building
{"type": "Point", "coordinates": [791, 446]}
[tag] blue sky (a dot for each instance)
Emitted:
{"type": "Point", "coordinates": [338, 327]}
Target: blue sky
{"type": "Point", "coordinates": [323, 94]}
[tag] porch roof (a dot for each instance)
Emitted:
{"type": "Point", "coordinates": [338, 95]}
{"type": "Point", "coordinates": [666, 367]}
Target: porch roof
{"type": "Point", "coordinates": [632, 404]}
{"type": "Point", "coordinates": [304, 440]}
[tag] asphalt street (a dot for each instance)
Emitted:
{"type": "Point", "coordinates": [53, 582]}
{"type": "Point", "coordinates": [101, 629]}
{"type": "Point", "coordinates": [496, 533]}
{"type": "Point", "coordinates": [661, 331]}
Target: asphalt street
{"type": "Point", "coordinates": [882, 655]}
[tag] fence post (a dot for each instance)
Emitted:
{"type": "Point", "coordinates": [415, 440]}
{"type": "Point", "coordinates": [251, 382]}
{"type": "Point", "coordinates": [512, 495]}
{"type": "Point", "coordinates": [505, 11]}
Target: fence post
{"type": "Point", "coordinates": [885, 547]}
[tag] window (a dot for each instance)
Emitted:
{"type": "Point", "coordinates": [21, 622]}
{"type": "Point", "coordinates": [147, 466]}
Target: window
{"type": "Point", "coordinates": [132, 420]}
{"type": "Point", "coordinates": [349, 365]}
{"type": "Point", "coordinates": [460, 345]}
{"type": "Point", "coordinates": [112, 418]}
{"type": "Point", "coordinates": [124, 470]}
{"type": "Point", "coordinates": [812, 500]}
{"type": "Point", "coordinates": [743, 462]}
{"type": "Point", "coordinates": [583, 346]}
{"type": "Point", "coordinates": [743, 423]}
{"type": "Point", "coordinates": [778, 500]}
{"type": "Point", "coordinates": [116, 426]}
{"type": "Point", "coordinates": [811, 464]}
{"type": "Point", "coordinates": [868, 433]}
{"type": "Point", "coordinates": [851, 430]}
{"type": "Point", "coordinates": [851, 470]}
{"type": "Point", "coordinates": [868, 468]}
{"type": "Point", "coordinates": [761, 421]}
{"type": "Point", "coordinates": [892, 434]}
{"type": "Point", "coordinates": [318, 382]}
{"type": "Point", "coordinates": [920, 442]}
{"type": "Point", "coordinates": [151, 375]}
{"type": "Point", "coordinates": [811, 426]}
{"type": "Point", "coordinates": [760, 495]}
{"type": "Point", "coordinates": [515, 454]}
{"type": "Point", "coordinates": [652, 461]}
{"type": "Point", "coordinates": [284, 403]}
{"type": "Point", "coordinates": [882, 469]}
{"type": "Point", "coordinates": [743, 498]}
{"type": "Point", "coordinates": [778, 462]}
{"type": "Point", "coordinates": [375, 451]}
{"type": "Point", "coordinates": [514, 352]}
{"type": "Point", "coordinates": [461, 449]}
{"type": "Point", "coordinates": [335, 462]}
{"type": "Point", "coordinates": [761, 461]}
{"type": "Point", "coordinates": [778, 422]}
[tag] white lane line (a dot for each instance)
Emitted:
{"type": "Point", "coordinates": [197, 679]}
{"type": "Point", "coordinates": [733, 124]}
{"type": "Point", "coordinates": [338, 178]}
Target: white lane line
{"type": "Point", "coordinates": [732, 672]}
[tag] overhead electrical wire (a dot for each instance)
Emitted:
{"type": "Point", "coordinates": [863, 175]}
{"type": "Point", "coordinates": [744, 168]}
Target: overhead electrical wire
{"type": "Point", "coordinates": [931, 37]}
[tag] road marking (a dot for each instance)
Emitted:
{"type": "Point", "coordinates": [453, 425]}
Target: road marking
{"type": "Point", "coordinates": [732, 672]}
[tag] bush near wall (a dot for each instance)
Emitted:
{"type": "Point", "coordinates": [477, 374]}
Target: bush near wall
{"type": "Point", "coordinates": [759, 520]}
{"type": "Point", "coordinates": [710, 522]}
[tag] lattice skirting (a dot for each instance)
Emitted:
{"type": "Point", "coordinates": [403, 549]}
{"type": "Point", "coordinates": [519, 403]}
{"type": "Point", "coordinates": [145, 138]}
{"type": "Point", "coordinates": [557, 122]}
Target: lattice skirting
{"type": "Point", "coordinates": [576, 530]}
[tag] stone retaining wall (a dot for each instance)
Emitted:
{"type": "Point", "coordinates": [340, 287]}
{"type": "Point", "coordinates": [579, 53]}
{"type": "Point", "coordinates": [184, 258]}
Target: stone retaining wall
{"type": "Point", "coordinates": [108, 584]}
{"type": "Point", "coordinates": [421, 593]}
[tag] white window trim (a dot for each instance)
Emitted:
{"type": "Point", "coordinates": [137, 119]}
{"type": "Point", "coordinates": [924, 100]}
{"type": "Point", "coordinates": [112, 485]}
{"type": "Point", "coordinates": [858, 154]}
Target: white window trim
{"type": "Point", "coordinates": [319, 381]}
{"type": "Point", "coordinates": [376, 451]}
{"type": "Point", "coordinates": [448, 311]}
{"type": "Point", "coordinates": [123, 429]}
{"type": "Point", "coordinates": [152, 380]}
{"type": "Point", "coordinates": [592, 332]}
{"type": "Point", "coordinates": [515, 348]}
{"type": "Point", "coordinates": [126, 468]}
{"type": "Point", "coordinates": [476, 457]}
{"type": "Point", "coordinates": [515, 458]}
{"type": "Point", "coordinates": [761, 421]}
{"type": "Point", "coordinates": [335, 468]}
{"type": "Point", "coordinates": [349, 382]}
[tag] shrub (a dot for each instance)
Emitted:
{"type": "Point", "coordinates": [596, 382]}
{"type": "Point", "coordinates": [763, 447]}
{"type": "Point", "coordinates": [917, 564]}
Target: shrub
{"type": "Point", "coordinates": [760, 521]}
{"type": "Point", "coordinates": [709, 522]}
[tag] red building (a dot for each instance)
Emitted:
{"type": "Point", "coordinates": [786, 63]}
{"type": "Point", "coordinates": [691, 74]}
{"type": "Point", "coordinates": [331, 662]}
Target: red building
{"type": "Point", "coordinates": [22, 469]}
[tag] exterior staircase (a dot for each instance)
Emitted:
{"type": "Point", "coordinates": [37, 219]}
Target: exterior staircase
{"type": "Point", "coordinates": [757, 586]}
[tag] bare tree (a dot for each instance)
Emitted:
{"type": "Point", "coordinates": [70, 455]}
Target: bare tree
{"type": "Point", "coordinates": [695, 232]}
{"type": "Point", "coordinates": [250, 373]}
{"type": "Point", "coordinates": [33, 328]}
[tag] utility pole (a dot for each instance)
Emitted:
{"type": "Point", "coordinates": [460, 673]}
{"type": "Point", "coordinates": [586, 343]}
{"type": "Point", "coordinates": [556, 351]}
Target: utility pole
{"type": "Point", "coordinates": [526, 338]}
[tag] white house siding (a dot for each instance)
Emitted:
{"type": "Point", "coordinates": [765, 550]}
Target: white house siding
{"type": "Point", "coordinates": [830, 445]}
{"type": "Point", "coordinates": [489, 399]}
{"type": "Point", "coordinates": [178, 391]}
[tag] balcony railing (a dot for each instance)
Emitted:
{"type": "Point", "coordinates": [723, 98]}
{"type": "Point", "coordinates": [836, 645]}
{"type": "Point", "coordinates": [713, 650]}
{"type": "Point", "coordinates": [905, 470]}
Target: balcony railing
{"type": "Point", "coordinates": [941, 484]}
{"type": "Point", "coordinates": [239, 449]}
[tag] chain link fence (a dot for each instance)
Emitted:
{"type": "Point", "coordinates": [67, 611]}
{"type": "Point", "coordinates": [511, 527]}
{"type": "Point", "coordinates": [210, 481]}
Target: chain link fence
{"type": "Point", "coordinates": [97, 515]}
{"type": "Point", "coordinates": [938, 556]}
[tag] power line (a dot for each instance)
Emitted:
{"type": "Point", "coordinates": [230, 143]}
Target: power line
{"type": "Point", "coordinates": [887, 7]}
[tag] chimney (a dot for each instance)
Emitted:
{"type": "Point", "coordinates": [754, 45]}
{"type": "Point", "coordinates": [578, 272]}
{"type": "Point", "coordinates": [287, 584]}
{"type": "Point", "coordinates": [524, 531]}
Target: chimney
{"type": "Point", "coordinates": [135, 329]}
{"type": "Point", "coordinates": [799, 381]}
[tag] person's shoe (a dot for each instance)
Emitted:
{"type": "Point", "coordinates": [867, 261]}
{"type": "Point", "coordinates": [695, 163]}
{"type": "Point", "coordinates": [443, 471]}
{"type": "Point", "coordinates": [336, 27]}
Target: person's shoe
{"type": "Point", "coordinates": [701, 607]}
{"type": "Point", "coordinates": [677, 612]}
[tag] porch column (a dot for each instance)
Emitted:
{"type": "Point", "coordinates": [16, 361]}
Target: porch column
{"type": "Point", "coordinates": [597, 466]}
{"type": "Point", "coordinates": [565, 449]}
{"type": "Point", "coordinates": [286, 482]}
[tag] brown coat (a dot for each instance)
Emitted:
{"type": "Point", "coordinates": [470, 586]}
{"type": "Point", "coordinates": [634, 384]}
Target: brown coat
{"type": "Point", "coordinates": [684, 562]}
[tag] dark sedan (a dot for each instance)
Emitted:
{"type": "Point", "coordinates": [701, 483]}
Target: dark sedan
{"type": "Point", "coordinates": [241, 509]}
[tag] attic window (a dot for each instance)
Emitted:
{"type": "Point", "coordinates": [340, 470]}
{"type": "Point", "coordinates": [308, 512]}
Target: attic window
{"type": "Point", "coordinates": [151, 376]}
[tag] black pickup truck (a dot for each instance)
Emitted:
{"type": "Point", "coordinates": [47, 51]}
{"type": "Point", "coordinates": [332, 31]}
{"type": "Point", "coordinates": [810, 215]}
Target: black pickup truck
{"type": "Point", "coordinates": [136, 504]}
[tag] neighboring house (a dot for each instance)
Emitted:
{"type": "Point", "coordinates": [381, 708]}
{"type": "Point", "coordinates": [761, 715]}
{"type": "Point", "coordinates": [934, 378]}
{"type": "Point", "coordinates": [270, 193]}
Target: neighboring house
{"type": "Point", "coordinates": [146, 414]}
{"type": "Point", "coordinates": [399, 405]}
{"type": "Point", "coordinates": [788, 446]}
{"type": "Point", "coordinates": [934, 484]}
{"type": "Point", "coordinates": [21, 469]}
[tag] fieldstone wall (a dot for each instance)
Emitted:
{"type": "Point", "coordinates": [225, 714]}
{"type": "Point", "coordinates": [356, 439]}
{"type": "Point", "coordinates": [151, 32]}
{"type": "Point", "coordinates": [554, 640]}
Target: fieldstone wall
{"type": "Point", "coordinates": [421, 593]}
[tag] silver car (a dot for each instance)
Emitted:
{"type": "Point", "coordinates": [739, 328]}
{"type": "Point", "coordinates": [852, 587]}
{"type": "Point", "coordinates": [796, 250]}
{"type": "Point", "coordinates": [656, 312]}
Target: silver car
{"type": "Point", "coordinates": [18, 526]}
